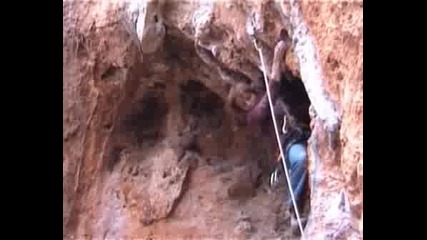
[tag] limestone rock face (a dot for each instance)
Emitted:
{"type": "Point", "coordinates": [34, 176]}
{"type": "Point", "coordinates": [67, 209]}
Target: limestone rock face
{"type": "Point", "coordinates": [153, 148]}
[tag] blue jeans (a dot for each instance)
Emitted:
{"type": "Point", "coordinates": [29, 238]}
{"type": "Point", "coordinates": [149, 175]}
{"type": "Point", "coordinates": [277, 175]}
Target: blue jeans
{"type": "Point", "coordinates": [297, 159]}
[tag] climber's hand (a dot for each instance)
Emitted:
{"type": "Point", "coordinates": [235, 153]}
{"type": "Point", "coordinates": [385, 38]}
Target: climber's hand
{"type": "Point", "coordinates": [275, 175]}
{"type": "Point", "coordinates": [283, 35]}
{"type": "Point", "coordinates": [281, 46]}
{"type": "Point", "coordinates": [279, 50]}
{"type": "Point", "coordinates": [284, 131]}
{"type": "Point", "coordinates": [274, 178]}
{"type": "Point", "coordinates": [279, 55]}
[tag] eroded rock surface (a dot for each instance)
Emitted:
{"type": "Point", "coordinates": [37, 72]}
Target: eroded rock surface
{"type": "Point", "coordinates": [152, 147]}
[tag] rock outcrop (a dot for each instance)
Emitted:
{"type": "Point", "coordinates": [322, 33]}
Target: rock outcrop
{"type": "Point", "coordinates": [153, 148]}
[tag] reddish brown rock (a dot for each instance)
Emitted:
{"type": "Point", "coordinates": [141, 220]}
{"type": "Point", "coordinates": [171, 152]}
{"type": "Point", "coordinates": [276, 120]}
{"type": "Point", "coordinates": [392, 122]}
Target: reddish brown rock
{"type": "Point", "coordinates": [126, 104]}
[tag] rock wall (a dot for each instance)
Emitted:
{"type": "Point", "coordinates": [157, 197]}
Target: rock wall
{"type": "Point", "coordinates": [338, 30]}
{"type": "Point", "coordinates": [153, 148]}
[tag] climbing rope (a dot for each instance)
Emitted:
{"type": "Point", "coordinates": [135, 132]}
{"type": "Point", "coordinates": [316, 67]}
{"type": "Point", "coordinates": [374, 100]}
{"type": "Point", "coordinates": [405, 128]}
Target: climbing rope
{"type": "Point", "coordinates": [278, 139]}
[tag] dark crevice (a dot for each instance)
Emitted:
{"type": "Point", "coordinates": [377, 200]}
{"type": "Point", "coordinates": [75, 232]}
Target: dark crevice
{"type": "Point", "coordinates": [113, 157]}
{"type": "Point", "coordinates": [147, 117]}
{"type": "Point", "coordinates": [199, 101]}
{"type": "Point", "coordinates": [295, 96]}
{"type": "Point", "coordinates": [110, 72]}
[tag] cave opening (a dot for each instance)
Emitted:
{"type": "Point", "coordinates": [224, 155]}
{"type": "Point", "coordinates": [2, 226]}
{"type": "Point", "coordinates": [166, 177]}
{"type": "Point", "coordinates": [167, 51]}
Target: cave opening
{"type": "Point", "coordinates": [294, 95]}
{"type": "Point", "coordinates": [200, 102]}
{"type": "Point", "coordinates": [297, 101]}
{"type": "Point", "coordinates": [142, 125]}
{"type": "Point", "coordinates": [148, 116]}
{"type": "Point", "coordinates": [223, 151]}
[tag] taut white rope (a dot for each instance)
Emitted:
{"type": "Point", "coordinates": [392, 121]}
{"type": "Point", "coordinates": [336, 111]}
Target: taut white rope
{"type": "Point", "coordinates": [278, 139]}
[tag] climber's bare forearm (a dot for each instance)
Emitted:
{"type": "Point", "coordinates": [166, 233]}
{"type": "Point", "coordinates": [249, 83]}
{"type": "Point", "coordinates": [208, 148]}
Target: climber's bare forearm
{"type": "Point", "coordinates": [261, 109]}
{"type": "Point", "coordinates": [279, 54]}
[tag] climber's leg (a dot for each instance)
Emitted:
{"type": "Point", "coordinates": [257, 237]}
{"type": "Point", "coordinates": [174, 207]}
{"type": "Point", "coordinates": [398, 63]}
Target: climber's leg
{"type": "Point", "coordinates": [297, 158]}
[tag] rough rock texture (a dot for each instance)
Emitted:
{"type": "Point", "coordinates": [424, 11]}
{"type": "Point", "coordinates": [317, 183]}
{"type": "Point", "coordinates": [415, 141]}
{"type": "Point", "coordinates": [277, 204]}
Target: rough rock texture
{"type": "Point", "coordinates": [338, 30]}
{"type": "Point", "coordinates": [153, 148]}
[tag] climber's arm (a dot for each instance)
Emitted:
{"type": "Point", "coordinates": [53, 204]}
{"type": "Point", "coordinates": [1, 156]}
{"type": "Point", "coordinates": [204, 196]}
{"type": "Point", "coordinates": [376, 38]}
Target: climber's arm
{"type": "Point", "coordinates": [261, 109]}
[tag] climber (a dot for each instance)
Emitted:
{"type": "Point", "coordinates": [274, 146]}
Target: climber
{"type": "Point", "coordinates": [292, 102]}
